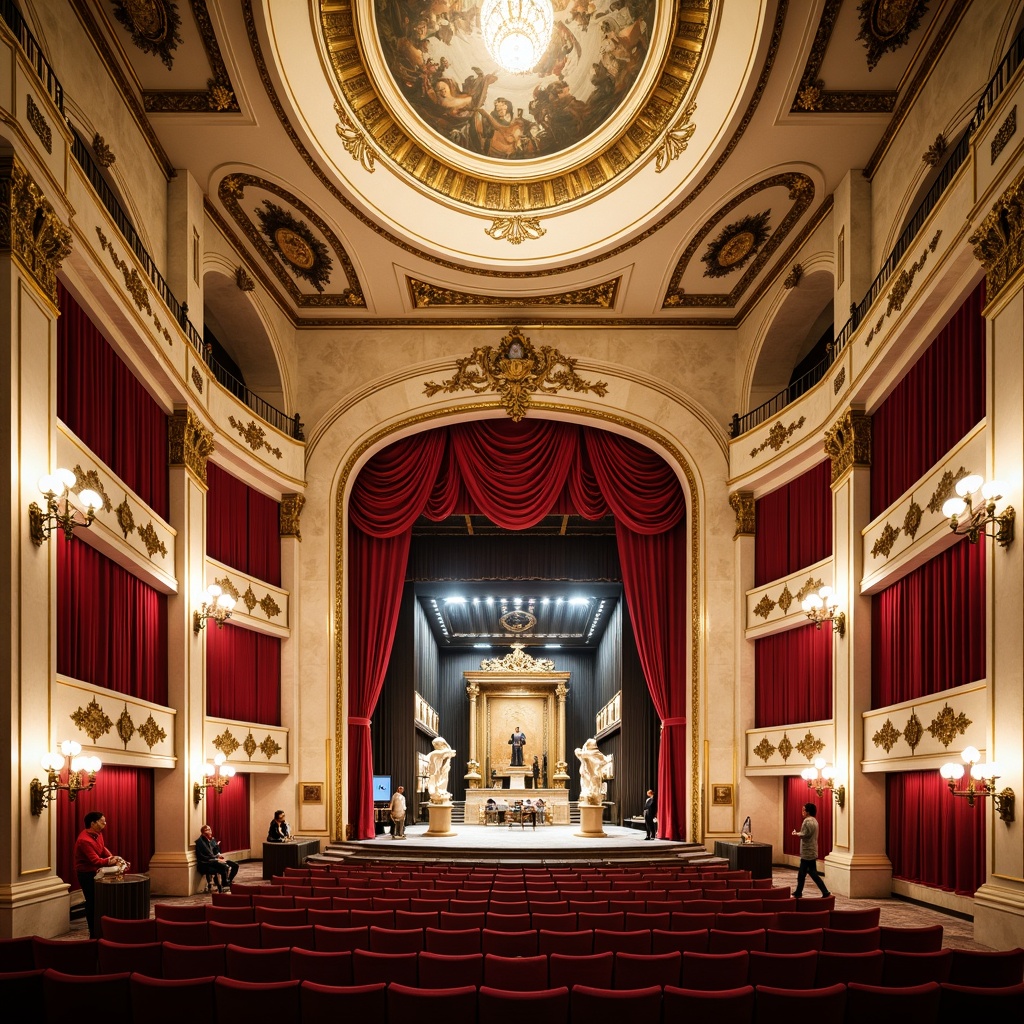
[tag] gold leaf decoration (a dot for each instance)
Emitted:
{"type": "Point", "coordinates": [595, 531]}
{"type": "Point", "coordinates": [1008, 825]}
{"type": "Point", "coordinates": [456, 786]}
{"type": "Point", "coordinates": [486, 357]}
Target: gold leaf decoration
{"type": "Point", "coordinates": [764, 607]}
{"type": "Point", "coordinates": [249, 599]}
{"type": "Point", "coordinates": [886, 737]}
{"type": "Point", "coordinates": [785, 599]}
{"type": "Point", "coordinates": [785, 747]}
{"type": "Point", "coordinates": [913, 731]}
{"type": "Point", "coordinates": [249, 745]}
{"type": "Point", "coordinates": [125, 726]}
{"type": "Point", "coordinates": [91, 479]}
{"type": "Point", "coordinates": [125, 519]}
{"type": "Point", "coordinates": [764, 749]}
{"type": "Point", "coordinates": [809, 587]}
{"type": "Point", "coordinates": [133, 283]}
{"type": "Point", "coordinates": [149, 537]}
{"type": "Point", "coordinates": [151, 732]}
{"type": "Point", "coordinates": [947, 725]}
{"type": "Point", "coordinates": [677, 138]}
{"type": "Point", "coordinates": [883, 544]}
{"type": "Point", "coordinates": [225, 743]}
{"type": "Point", "coordinates": [228, 587]}
{"type": "Point", "coordinates": [945, 488]}
{"type": "Point", "coordinates": [840, 380]}
{"type": "Point", "coordinates": [269, 747]}
{"type": "Point", "coordinates": [197, 379]}
{"type": "Point", "coordinates": [515, 229]}
{"type": "Point", "coordinates": [778, 436]}
{"type": "Point", "coordinates": [353, 140]}
{"type": "Point", "coordinates": [912, 520]}
{"type": "Point", "coordinates": [810, 746]}
{"type": "Point", "coordinates": [254, 436]}
{"type": "Point", "coordinates": [92, 720]}
{"type": "Point", "coordinates": [270, 607]}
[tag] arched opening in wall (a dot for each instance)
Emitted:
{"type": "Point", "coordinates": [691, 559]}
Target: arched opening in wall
{"type": "Point", "coordinates": [242, 354]}
{"type": "Point", "coordinates": [797, 341]}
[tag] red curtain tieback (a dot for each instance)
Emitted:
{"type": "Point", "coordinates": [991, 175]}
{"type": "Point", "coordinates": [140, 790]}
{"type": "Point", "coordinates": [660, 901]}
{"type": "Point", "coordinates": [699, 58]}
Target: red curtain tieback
{"type": "Point", "coordinates": [358, 721]}
{"type": "Point", "coordinates": [667, 722]}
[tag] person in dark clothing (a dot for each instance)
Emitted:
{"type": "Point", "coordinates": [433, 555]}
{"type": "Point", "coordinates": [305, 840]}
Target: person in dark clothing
{"type": "Point", "coordinates": [650, 816]}
{"type": "Point", "coordinates": [211, 861]}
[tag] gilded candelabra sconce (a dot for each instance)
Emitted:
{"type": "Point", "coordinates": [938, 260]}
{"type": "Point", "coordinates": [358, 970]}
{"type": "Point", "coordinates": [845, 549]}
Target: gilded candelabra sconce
{"type": "Point", "coordinates": [81, 775]}
{"type": "Point", "coordinates": [972, 518]}
{"type": "Point", "coordinates": [821, 607]}
{"type": "Point", "coordinates": [981, 782]}
{"type": "Point", "coordinates": [60, 510]}
{"type": "Point", "coordinates": [821, 778]}
{"type": "Point", "coordinates": [215, 776]}
{"type": "Point", "coordinates": [213, 604]}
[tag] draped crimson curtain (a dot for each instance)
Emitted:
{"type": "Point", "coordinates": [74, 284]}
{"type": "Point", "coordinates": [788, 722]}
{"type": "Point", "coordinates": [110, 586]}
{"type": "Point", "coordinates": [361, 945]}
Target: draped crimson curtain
{"type": "Point", "coordinates": [516, 474]}
{"type": "Point", "coordinates": [243, 675]}
{"type": "Point", "coordinates": [107, 408]}
{"type": "Point", "coordinates": [795, 793]}
{"type": "Point", "coordinates": [242, 526]}
{"type": "Point", "coordinates": [933, 838]}
{"type": "Point", "coordinates": [935, 404]}
{"type": "Point", "coordinates": [793, 525]}
{"type": "Point", "coordinates": [928, 628]}
{"type": "Point", "coordinates": [227, 813]}
{"type": "Point", "coordinates": [111, 626]}
{"type": "Point", "coordinates": [125, 796]}
{"type": "Point", "coordinates": [793, 677]}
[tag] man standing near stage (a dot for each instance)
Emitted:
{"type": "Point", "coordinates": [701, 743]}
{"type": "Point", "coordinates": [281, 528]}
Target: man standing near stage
{"type": "Point", "coordinates": [517, 742]}
{"type": "Point", "coordinates": [398, 813]}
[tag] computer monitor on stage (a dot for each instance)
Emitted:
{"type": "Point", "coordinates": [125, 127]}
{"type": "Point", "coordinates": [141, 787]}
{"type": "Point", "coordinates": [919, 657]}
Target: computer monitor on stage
{"type": "Point", "coordinates": [381, 787]}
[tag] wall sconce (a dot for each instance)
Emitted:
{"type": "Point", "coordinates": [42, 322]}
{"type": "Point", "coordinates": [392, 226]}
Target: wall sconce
{"type": "Point", "coordinates": [821, 607]}
{"type": "Point", "coordinates": [214, 604]}
{"type": "Point", "coordinates": [820, 779]}
{"type": "Point", "coordinates": [981, 782]}
{"type": "Point", "coordinates": [966, 519]}
{"type": "Point", "coordinates": [215, 776]}
{"type": "Point", "coordinates": [60, 512]}
{"type": "Point", "coordinates": [81, 775]}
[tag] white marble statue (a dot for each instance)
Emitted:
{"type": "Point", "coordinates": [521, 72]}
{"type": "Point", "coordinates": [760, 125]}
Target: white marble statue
{"type": "Point", "coordinates": [439, 763]}
{"type": "Point", "coordinates": [593, 765]}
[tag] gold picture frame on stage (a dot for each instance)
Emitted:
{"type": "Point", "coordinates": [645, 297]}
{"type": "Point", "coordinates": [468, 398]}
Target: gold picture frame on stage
{"type": "Point", "coordinates": [721, 794]}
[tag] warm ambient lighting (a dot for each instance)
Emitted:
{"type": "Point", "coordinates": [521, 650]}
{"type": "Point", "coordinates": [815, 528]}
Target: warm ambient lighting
{"type": "Point", "coordinates": [213, 604]}
{"type": "Point", "coordinates": [821, 777]}
{"type": "Point", "coordinates": [60, 512]}
{"type": "Point", "coordinates": [516, 32]}
{"type": "Point", "coordinates": [81, 775]}
{"type": "Point", "coordinates": [821, 607]}
{"type": "Point", "coordinates": [979, 515]}
{"type": "Point", "coordinates": [981, 782]}
{"type": "Point", "coordinates": [215, 776]}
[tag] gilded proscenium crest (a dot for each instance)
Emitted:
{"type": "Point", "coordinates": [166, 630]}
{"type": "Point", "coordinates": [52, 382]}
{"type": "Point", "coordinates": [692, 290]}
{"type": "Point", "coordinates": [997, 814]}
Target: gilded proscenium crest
{"type": "Point", "coordinates": [289, 512]}
{"type": "Point", "coordinates": [999, 240]}
{"type": "Point", "coordinates": [848, 442]}
{"type": "Point", "coordinates": [30, 229]}
{"type": "Point", "coordinates": [515, 370]}
{"type": "Point", "coordinates": [189, 443]}
{"type": "Point", "coordinates": [742, 503]}
{"type": "Point", "coordinates": [517, 661]}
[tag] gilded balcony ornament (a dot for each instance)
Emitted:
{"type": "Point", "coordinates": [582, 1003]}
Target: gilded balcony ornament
{"type": "Point", "coordinates": [912, 520]}
{"type": "Point", "coordinates": [125, 726]}
{"type": "Point", "coordinates": [840, 380]}
{"type": "Point", "coordinates": [810, 746]}
{"type": "Point", "coordinates": [270, 607]}
{"type": "Point", "coordinates": [189, 443]}
{"type": "Point", "coordinates": [811, 586]}
{"type": "Point", "coordinates": [742, 503]}
{"type": "Point", "coordinates": [92, 720]}
{"type": "Point", "coordinates": [884, 542]}
{"type": "Point", "coordinates": [913, 731]}
{"type": "Point", "coordinates": [249, 745]}
{"type": "Point", "coordinates": [1006, 131]}
{"type": "Point", "coordinates": [785, 599]}
{"type": "Point", "coordinates": [134, 285]}
{"type": "Point", "coordinates": [289, 512]}
{"type": "Point", "coordinates": [39, 123]}
{"type": "Point", "coordinates": [886, 737]}
{"type": "Point", "coordinates": [197, 379]}
{"type": "Point", "coordinates": [151, 539]}
{"type": "Point", "coordinates": [515, 370]}
{"type": "Point", "coordinates": [809, 98]}
{"type": "Point", "coordinates": [517, 660]}
{"type": "Point", "coordinates": [886, 25]}
{"type": "Point", "coordinates": [764, 749]}
{"type": "Point", "coordinates": [999, 240]}
{"type": "Point", "coordinates": [785, 747]}
{"type": "Point", "coordinates": [124, 517]}
{"type": "Point", "coordinates": [92, 481]}
{"type": "Point", "coordinates": [152, 732]}
{"type": "Point", "coordinates": [270, 747]}
{"type": "Point", "coordinates": [945, 488]}
{"type": "Point", "coordinates": [947, 725]}
{"type": "Point", "coordinates": [764, 607]}
{"type": "Point", "coordinates": [225, 743]}
{"type": "Point", "coordinates": [515, 229]}
{"type": "Point", "coordinates": [254, 436]}
{"type": "Point", "coordinates": [902, 285]}
{"type": "Point", "coordinates": [778, 436]}
{"type": "Point", "coordinates": [848, 442]}
{"type": "Point", "coordinates": [249, 599]}
{"type": "Point", "coordinates": [353, 140]}
{"type": "Point", "coordinates": [676, 139]}
{"type": "Point", "coordinates": [933, 154]}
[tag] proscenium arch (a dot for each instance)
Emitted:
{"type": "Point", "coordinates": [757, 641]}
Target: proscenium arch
{"type": "Point", "coordinates": [370, 444]}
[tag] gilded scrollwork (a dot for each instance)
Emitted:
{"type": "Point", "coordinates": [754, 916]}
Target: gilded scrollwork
{"type": "Point", "coordinates": [254, 436]}
{"type": "Point", "coordinates": [793, 277]}
{"type": "Point", "coordinates": [249, 599]}
{"type": "Point", "coordinates": [901, 287]}
{"type": "Point", "coordinates": [785, 747]}
{"type": "Point", "coordinates": [153, 26]}
{"type": "Point", "coordinates": [840, 380]}
{"type": "Point", "coordinates": [948, 724]}
{"type": "Point", "coordinates": [676, 139]}
{"type": "Point", "coordinates": [764, 607]}
{"type": "Point", "coordinates": [809, 587]}
{"type": "Point", "coordinates": [884, 542]}
{"type": "Point", "coordinates": [429, 296]}
{"type": "Point", "coordinates": [848, 442]}
{"type": "Point", "coordinates": [189, 443]}
{"type": "Point", "coordinates": [197, 379]}
{"type": "Point", "coordinates": [225, 743]}
{"type": "Point", "coordinates": [133, 283]}
{"type": "Point", "coordinates": [269, 747]}
{"type": "Point", "coordinates": [742, 503]}
{"type": "Point", "coordinates": [152, 732]}
{"type": "Point", "coordinates": [764, 749]}
{"type": "Point", "coordinates": [151, 539]}
{"type": "Point", "coordinates": [887, 736]}
{"type": "Point", "coordinates": [517, 661]}
{"type": "Point", "coordinates": [243, 281]}
{"type": "Point", "coordinates": [270, 607]}
{"type": "Point", "coordinates": [249, 745]}
{"type": "Point", "coordinates": [91, 479]}
{"type": "Point", "coordinates": [353, 140]}
{"type": "Point", "coordinates": [104, 154]}
{"type": "Point", "coordinates": [999, 239]}
{"type": "Point", "coordinates": [785, 599]}
{"type": "Point", "coordinates": [92, 720]}
{"type": "Point", "coordinates": [945, 488]}
{"type": "Point", "coordinates": [39, 123]}
{"type": "Point", "coordinates": [913, 731]}
{"type": "Point", "coordinates": [886, 25]}
{"type": "Point", "coordinates": [515, 229]}
{"type": "Point", "coordinates": [227, 585]}
{"type": "Point", "coordinates": [933, 154]}
{"type": "Point", "coordinates": [810, 746]}
{"type": "Point", "coordinates": [125, 726]}
{"type": "Point", "coordinates": [125, 518]}
{"type": "Point", "coordinates": [1007, 130]}
{"type": "Point", "coordinates": [912, 520]}
{"type": "Point", "coordinates": [778, 435]}
{"type": "Point", "coordinates": [289, 512]}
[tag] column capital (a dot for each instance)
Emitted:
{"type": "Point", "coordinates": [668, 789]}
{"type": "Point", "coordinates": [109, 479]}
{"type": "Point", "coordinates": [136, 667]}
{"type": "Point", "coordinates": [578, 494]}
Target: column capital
{"type": "Point", "coordinates": [290, 510]}
{"type": "Point", "coordinates": [999, 239]}
{"type": "Point", "coordinates": [848, 443]}
{"type": "Point", "coordinates": [473, 690]}
{"type": "Point", "coordinates": [742, 503]}
{"type": "Point", "coordinates": [561, 692]}
{"type": "Point", "coordinates": [189, 443]}
{"type": "Point", "coordinates": [30, 229]}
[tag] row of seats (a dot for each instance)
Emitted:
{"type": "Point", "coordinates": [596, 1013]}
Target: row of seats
{"type": "Point", "coordinates": [134, 997]}
{"type": "Point", "coordinates": [607, 969]}
{"type": "Point", "coordinates": [673, 870]}
{"type": "Point", "coordinates": [723, 890]}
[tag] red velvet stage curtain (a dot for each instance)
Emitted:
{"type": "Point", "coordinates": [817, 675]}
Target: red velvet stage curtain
{"type": "Point", "coordinates": [793, 677]}
{"type": "Point", "coordinates": [794, 795]}
{"type": "Point", "coordinates": [935, 404]}
{"type": "Point", "coordinates": [242, 526]}
{"type": "Point", "coordinates": [515, 474]}
{"type": "Point", "coordinates": [243, 675]}
{"type": "Point", "coordinates": [928, 629]}
{"type": "Point", "coordinates": [107, 408]}
{"type": "Point", "coordinates": [934, 838]}
{"type": "Point", "coordinates": [793, 525]}
{"type": "Point", "coordinates": [228, 814]}
{"type": "Point", "coordinates": [125, 797]}
{"type": "Point", "coordinates": [111, 626]}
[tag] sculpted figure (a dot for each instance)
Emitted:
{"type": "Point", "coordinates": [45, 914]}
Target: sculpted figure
{"type": "Point", "coordinates": [593, 765]}
{"type": "Point", "coordinates": [439, 763]}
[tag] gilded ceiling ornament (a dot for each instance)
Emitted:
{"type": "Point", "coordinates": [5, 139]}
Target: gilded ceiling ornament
{"type": "Point", "coordinates": [269, 747]}
{"type": "Point", "coordinates": [152, 732]}
{"type": "Point", "coordinates": [515, 370]}
{"type": "Point", "coordinates": [92, 720]}
{"type": "Point", "coordinates": [151, 539]}
{"type": "Point", "coordinates": [785, 599]}
{"type": "Point", "coordinates": [515, 229]}
{"type": "Point", "coordinates": [947, 725]}
{"type": "Point", "coordinates": [1006, 131]}
{"type": "Point", "coordinates": [296, 244]}
{"type": "Point", "coordinates": [785, 747]}
{"type": "Point", "coordinates": [736, 244]}
{"type": "Point", "coordinates": [153, 26]}
{"type": "Point", "coordinates": [39, 123]}
{"type": "Point", "coordinates": [104, 155]}
{"type": "Point", "coordinates": [220, 97]}
{"type": "Point", "coordinates": [353, 140]}
{"type": "Point", "coordinates": [902, 285]}
{"type": "Point", "coordinates": [30, 229]}
{"type": "Point", "coordinates": [999, 240]}
{"type": "Point", "coordinates": [840, 380]}
{"type": "Point", "coordinates": [227, 585]}
{"type": "Point", "coordinates": [793, 278]}
{"type": "Point", "coordinates": [913, 731]}
{"type": "Point", "coordinates": [599, 296]}
{"type": "Point", "coordinates": [133, 283]}
{"type": "Point", "coordinates": [249, 745]}
{"type": "Point", "coordinates": [885, 540]}
{"type": "Point", "coordinates": [676, 139]}
{"type": "Point", "coordinates": [912, 520]}
{"type": "Point", "coordinates": [809, 98]}
{"type": "Point", "coordinates": [189, 443]}
{"type": "Point", "coordinates": [764, 749]}
{"type": "Point", "coordinates": [270, 607]}
{"type": "Point", "coordinates": [518, 620]}
{"type": "Point", "coordinates": [124, 517]}
{"type": "Point", "coordinates": [886, 25]}
{"type": "Point", "coordinates": [517, 660]}
{"type": "Point", "coordinates": [778, 436]}
{"type": "Point", "coordinates": [254, 436]}
{"type": "Point", "coordinates": [886, 737]}
{"type": "Point", "coordinates": [809, 587]}
{"type": "Point", "coordinates": [91, 480]}
{"type": "Point", "coordinates": [848, 442]}
{"type": "Point", "coordinates": [125, 726]}
{"type": "Point", "coordinates": [810, 746]}
{"type": "Point", "coordinates": [288, 515]}
{"type": "Point", "coordinates": [742, 503]}
{"type": "Point", "coordinates": [945, 488]}
{"type": "Point", "coordinates": [225, 743]}
{"type": "Point", "coordinates": [933, 154]}
{"type": "Point", "coordinates": [764, 607]}
{"type": "Point", "coordinates": [242, 279]}
{"type": "Point", "coordinates": [197, 380]}
{"type": "Point", "coordinates": [249, 599]}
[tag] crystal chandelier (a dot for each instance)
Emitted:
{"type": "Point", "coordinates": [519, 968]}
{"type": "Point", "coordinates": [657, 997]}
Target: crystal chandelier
{"type": "Point", "coordinates": [516, 32]}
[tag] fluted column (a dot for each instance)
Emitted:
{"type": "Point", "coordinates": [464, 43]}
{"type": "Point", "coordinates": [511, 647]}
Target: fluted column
{"type": "Point", "coordinates": [472, 775]}
{"type": "Point", "coordinates": [561, 776]}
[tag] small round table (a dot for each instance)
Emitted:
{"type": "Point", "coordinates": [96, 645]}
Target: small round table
{"type": "Point", "coordinates": [124, 896]}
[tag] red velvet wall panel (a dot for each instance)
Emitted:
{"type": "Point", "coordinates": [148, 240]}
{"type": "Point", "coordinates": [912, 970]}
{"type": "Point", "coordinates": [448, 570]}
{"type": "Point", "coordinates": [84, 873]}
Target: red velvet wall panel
{"type": "Point", "coordinates": [793, 677]}
{"type": "Point", "coordinates": [242, 526]}
{"type": "Point", "coordinates": [795, 794]}
{"type": "Point", "coordinates": [243, 675]}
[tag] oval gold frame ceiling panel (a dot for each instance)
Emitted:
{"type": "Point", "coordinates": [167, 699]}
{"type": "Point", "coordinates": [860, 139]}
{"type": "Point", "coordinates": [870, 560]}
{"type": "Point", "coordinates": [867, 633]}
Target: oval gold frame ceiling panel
{"type": "Point", "coordinates": [523, 186]}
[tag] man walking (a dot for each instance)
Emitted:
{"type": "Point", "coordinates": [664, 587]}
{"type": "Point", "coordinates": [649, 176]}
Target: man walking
{"type": "Point", "coordinates": [398, 812]}
{"type": "Point", "coordinates": [808, 833]}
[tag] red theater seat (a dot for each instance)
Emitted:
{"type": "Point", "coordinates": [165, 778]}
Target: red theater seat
{"type": "Point", "coordinates": [546, 1006]}
{"type": "Point", "coordinates": [881, 1005]}
{"type": "Point", "coordinates": [726, 1006]}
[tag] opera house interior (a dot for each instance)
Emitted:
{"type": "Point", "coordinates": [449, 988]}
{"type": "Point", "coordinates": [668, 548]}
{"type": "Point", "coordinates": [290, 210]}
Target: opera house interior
{"type": "Point", "coordinates": [370, 384]}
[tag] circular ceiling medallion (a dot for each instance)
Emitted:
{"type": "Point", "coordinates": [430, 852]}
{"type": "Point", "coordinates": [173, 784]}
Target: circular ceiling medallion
{"type": "Point", "coordinates": [419, 81]}
{"type": "Point", "coordinates": [294, 248]}
{"type": "Point", "coordinates": [518, 620]}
